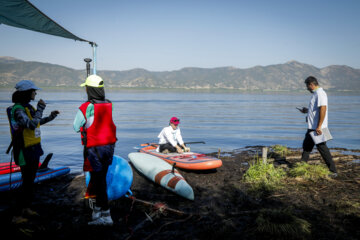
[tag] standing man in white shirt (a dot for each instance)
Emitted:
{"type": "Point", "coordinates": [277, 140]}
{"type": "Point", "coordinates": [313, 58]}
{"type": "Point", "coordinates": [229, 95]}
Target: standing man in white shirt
{"type": "Point", "coordinates": [170, 139]}
{"type": "Point", "coordinates": [317, 119]}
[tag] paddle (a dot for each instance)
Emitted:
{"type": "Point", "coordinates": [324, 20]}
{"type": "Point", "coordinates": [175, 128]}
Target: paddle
{"type": "Point", "coordinates": [155, 144]}
{"type": "Point", "coordinates": [9, 148]}
{"type": "Point", "coordinates": [194, 142]}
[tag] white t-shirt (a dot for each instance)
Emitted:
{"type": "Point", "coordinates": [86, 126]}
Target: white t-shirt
{"type": "Point", "coordinates": [319, 98]}
{"type": "Point", "coordinates": [169, 135]}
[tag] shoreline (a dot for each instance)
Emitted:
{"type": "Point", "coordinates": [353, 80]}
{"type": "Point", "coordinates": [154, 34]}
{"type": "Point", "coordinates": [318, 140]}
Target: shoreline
{"type": "Point", "coordinates": [186, 90]}
{"type": "Point", "coordinates": [223, 207]}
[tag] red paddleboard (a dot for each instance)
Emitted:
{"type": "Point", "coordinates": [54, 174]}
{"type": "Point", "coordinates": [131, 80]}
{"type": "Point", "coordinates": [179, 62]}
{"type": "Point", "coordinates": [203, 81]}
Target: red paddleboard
{"type": "Point", "coordinates": [186, 160]}
{"type": "Point", "coordinates": [5, 167]}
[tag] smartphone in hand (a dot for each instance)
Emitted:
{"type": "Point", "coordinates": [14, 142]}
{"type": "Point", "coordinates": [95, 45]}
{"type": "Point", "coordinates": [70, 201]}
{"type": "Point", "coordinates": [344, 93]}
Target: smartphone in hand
{"type": "Point", "coordinates": [302, 109]}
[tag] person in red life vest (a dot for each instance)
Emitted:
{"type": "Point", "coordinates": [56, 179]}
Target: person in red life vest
{"type": "Point", "coordinates": [25, 121]}
{"type": "Point", "coordinates": [98, 134]}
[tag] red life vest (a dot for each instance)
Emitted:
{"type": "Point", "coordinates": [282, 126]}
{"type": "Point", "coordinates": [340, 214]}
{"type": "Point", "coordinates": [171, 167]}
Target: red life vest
{"type": "Point", "coordinates": [102, 131]}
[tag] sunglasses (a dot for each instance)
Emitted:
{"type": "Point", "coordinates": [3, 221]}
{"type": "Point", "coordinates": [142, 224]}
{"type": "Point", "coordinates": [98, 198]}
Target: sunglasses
{"type": "Point", "coordinates": [176, 120]}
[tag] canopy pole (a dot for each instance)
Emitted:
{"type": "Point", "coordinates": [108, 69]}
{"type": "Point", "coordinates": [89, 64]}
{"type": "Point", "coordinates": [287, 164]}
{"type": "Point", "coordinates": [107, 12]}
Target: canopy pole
{"type": "Point", "coordinates": [94, 45]}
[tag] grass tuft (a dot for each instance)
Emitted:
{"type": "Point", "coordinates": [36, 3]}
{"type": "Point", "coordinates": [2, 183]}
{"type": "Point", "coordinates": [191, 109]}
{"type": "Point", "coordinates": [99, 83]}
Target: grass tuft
{"type": "Point", "coordinates": [279, 149]}
{"type": "Point", "coordinates": [309, 172]}
{"type": "Point", "coordinates": [279, 223]}
{"type": "Point", "coordinates": [264, 177]}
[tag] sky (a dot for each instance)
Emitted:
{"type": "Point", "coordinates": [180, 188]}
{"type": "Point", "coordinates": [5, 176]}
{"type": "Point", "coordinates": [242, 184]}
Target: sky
{"type": "Point", "coordinates": [167, 35]}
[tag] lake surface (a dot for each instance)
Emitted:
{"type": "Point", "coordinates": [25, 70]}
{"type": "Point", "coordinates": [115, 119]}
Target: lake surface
{"type": "Point", "coordinates": [223, 120]}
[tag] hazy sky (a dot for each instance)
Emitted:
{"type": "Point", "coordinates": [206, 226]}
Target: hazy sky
{"type": "Point", "coordinates": [165, 35]}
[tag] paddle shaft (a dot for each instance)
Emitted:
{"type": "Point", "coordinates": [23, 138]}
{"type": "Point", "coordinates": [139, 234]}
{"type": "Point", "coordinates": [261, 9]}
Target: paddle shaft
{"type": "Point", "coordinates": [194, 142]}
{"type": "Point", "coordinates": [155, 144]}
{"type": "Point", "coordinates": [9, 148]}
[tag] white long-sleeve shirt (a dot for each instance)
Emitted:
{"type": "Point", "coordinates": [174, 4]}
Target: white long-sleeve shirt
{"type": "Point", "coordinates": [169, 135]}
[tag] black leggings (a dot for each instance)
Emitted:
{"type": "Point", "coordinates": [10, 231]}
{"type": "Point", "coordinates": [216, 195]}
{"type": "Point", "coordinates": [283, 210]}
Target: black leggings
{"type": "Point", "coordinates": [98, 182]}
{"type": "Point", "coordinates": [28, 174]}
{"type": "Point", "coordinates": [324, 151]}
{"type": "Point", "coordinates": [169, 147]}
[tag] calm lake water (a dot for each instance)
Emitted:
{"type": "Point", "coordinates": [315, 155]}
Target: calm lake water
{"type": "Point", "coordinates": [223, 120]}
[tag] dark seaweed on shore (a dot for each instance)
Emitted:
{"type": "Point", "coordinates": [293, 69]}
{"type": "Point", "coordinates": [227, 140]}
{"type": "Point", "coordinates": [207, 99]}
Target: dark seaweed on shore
{"type": "Point", "coordinates": [223, 207]}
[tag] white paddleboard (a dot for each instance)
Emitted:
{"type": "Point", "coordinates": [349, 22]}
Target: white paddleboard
{"type": "Point", "coordinates": [160, 172]}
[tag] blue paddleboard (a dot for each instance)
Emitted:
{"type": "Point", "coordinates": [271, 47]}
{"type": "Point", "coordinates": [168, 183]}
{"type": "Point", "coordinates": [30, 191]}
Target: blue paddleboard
{"type": "Point", "coordinates": [118, 179]}
{"type": "Point", "coordinates": [41, 175]}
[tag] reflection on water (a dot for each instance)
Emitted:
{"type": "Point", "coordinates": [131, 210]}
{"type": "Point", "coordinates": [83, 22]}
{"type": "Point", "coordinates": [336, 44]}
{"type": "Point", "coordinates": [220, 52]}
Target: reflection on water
{"type": "Point", "coordinates": [224, 121]}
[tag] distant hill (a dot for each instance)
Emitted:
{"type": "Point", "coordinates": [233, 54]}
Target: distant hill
{"type": "Point", "coordinates": [280, 77]}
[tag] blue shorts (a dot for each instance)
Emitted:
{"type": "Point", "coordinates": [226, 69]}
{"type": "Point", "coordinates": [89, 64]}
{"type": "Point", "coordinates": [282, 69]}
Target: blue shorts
{"type": "Point", "coordinates": [100, 156]}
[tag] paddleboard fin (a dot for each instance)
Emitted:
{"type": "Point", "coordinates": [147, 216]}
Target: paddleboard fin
{"type": "Point", "coordinates": [173, 168]}
{"type": "Point", "coordinates": [45, 163]}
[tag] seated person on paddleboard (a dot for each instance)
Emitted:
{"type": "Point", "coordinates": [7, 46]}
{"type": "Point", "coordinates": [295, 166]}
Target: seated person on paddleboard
{"type": "Point", "coordinates": [170, 139]}
{"type": "Point", "coordinates": [98, 135]}
{"type": "Point", "coordinates": [25, 123]}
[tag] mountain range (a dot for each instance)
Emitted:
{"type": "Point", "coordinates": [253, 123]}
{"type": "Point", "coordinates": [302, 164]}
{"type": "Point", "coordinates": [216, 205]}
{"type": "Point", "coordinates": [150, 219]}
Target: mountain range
{"type": "Point", "coordinates": [279, 77]}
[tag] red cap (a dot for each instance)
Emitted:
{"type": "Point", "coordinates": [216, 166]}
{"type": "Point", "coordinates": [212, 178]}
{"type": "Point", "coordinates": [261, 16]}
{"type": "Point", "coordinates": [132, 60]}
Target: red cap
{"type": "Point", "coordinates": [175, 121]}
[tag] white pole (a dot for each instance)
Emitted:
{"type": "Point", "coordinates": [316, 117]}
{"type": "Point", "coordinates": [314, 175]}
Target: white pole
{"type": "Point", "coordinates": [94, 58]}
{"type": "Point", "coordinates": [264, 154]}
